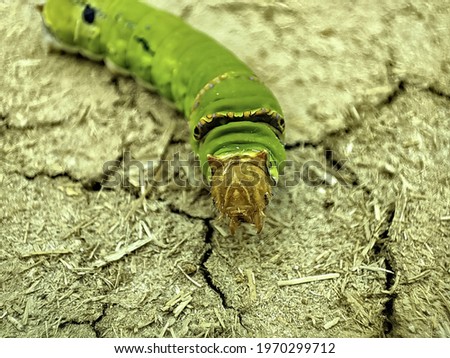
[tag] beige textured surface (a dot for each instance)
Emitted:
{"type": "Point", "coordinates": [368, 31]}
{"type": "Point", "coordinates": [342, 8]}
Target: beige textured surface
{"type": "Point", "coordinates": [366, 91]}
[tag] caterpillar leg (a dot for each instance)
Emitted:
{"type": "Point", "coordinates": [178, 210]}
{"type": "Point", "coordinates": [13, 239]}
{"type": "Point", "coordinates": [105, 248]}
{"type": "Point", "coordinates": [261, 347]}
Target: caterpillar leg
{"type": "Point", "coordinates": [241, 188]}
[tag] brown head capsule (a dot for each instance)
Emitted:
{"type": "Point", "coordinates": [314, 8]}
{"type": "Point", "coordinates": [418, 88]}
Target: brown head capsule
{"type": "Point", "coordinates": [241, 188]}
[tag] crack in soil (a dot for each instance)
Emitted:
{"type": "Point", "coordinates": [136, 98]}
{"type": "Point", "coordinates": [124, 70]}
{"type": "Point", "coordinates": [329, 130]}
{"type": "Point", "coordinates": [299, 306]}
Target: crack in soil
{"type": "Point", "coordinates": [175, 210]}
{"type": "Point", "coordinates": [382, 248]}
{"type": "Point", "coordinates": [300, 144]}
{"type": "Point", "coordinates": [438, 92]}
{"type": "Point", "coordinates": [343, 172]}
{"type": "Point", "coordinates": [398, 90]}
{"type": "Point", "coordinates": [205, 272]}
{"type": "Point", "coordinates": [92, 324]}
{"type": "Point", "coordinates": [93, 185]}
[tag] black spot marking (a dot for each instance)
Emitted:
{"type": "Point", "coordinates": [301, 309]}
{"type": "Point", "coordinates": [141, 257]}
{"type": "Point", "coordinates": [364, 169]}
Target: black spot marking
{"type": "Point", "coordinates": [145, 45]}
{"type": "Point", "coordinates": [197, 132]}
{"type": "Point", "coordinates": [89, 14]}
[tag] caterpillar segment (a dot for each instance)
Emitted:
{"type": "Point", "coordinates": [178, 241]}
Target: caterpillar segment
{"type": "Point", "coordinates": [236, 123]}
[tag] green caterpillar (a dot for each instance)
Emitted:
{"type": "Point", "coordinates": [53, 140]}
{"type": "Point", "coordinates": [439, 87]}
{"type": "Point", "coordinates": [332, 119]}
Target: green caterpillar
{"type": "Point", "coordinates": [235, 121]}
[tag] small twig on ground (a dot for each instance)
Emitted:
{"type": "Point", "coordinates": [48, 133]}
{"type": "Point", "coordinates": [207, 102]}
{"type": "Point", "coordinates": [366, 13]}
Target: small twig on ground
{"type": "Point", "coordinates": [331, 323]}
{"type": "Point", "coordinates": [81, 225]}
{"type": "Point", "coordinates": [188, 277]}
{"type": "Point", "coordinates": [251, 284]}
{"type": "Point", "coordinates": [46, 253]}
{"type": "Point", "coordinates": [307, 279]}
{"type": "Point", "coordinates": [116, 256]}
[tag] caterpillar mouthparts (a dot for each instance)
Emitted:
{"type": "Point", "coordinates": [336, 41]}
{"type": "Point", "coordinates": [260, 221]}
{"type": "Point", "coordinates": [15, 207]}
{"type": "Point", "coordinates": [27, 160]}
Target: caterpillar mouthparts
{"type": "Point", "coordinates": [241, 188]}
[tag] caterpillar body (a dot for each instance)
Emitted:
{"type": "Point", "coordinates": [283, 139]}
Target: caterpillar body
{"type": "Point", "coordinates": [236, 123]}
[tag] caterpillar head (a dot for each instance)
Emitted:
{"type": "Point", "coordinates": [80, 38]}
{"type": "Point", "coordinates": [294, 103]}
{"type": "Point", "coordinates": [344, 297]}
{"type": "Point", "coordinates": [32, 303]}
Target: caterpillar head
{"type": "Point", "coordinates": [241, 188]}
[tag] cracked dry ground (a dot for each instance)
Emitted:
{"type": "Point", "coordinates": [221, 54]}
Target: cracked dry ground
{"type": "Point", "coordinates": [366, 92]}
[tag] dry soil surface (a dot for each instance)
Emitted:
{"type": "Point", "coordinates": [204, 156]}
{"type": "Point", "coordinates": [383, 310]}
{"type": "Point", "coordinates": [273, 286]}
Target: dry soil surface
{"type": "Point", "coordinates": [365, 203]}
